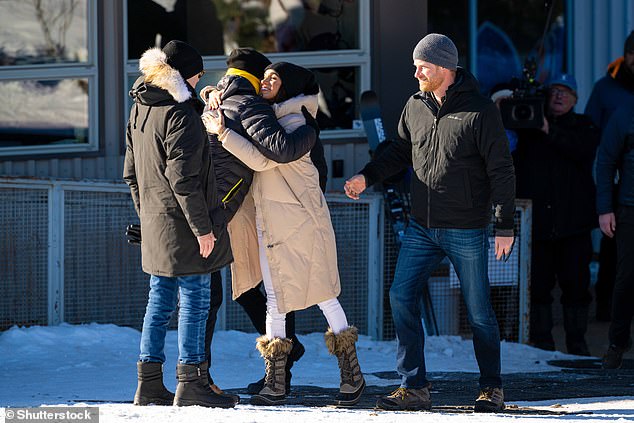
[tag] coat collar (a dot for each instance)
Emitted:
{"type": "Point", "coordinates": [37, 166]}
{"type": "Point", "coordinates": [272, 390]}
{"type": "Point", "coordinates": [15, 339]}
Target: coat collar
{"type": "Point", "coordinates": [294, 105]}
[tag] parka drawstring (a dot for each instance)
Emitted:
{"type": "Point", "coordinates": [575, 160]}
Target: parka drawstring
{"type": "Point", "coordinates": [145, 119]}
{"type": "Point", "coordinates": [136, 113]}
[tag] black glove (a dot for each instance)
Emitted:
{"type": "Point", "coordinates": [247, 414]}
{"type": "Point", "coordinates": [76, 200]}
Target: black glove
{"type": "Point", "coordinates": [133, 234]}
{"type": "Point", "coordinates": [310, 120]}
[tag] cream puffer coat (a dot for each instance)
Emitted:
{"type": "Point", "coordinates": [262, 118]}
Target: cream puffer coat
{"type": "Point", "coordinates": [297, 230]}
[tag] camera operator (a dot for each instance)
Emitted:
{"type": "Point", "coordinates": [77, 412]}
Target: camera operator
{"type": "Point", "coordinates": [553, 167]}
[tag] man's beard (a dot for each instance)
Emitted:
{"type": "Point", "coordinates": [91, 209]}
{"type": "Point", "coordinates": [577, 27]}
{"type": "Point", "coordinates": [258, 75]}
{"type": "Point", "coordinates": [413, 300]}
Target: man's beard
{"type": "Point", "coordinates": [431, 84]}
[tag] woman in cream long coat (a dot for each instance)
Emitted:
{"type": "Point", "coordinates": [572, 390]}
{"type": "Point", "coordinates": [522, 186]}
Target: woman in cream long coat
{"type": "Point", "coordinates": [295, 238]}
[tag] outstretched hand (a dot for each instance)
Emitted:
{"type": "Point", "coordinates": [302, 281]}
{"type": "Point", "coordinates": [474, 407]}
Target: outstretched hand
{"type": "Point", "coordinates": [310, 120]}
{"type": "Point", "coordinates": [355, 186]}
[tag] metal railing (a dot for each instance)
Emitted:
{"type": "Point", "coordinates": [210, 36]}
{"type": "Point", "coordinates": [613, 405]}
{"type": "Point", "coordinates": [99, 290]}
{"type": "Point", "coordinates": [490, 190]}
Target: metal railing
{"type": "Point", "coordinates": [64, 258]}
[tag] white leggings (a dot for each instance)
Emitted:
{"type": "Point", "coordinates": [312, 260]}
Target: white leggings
{"type": "Point", "coordinates": [276, 321]}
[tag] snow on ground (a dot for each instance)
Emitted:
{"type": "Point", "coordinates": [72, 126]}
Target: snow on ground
{"type": "Point", "coordinates": [60, 364]}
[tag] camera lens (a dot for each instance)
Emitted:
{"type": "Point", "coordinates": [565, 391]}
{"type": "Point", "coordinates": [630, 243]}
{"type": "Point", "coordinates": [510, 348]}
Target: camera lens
{"type": "Point", "coordinates": [523, 112]}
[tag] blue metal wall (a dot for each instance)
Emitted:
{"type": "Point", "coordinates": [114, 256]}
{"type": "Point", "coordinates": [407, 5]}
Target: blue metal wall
{"type": "Point", "coordinates": [597, 31]}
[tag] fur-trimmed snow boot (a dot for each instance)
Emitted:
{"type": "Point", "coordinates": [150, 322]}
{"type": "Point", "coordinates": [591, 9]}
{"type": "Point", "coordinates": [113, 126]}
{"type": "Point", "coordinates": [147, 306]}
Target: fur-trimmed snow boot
{"type": "Point", "coordinates": [275, 353]}
{"type": "Point", "coordinates": [193, 388]}
{"type": "Point", "coordinates": [296, 353]}
{"type": "Point", "coordinates": [343, 345]}
{"type": "Point", "coordinates": [150, 389]}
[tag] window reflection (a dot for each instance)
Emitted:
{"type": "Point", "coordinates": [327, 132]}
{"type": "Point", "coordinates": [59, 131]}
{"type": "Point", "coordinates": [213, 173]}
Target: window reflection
{"type": "Point", "coordinates": [154, 23]}
{"type": "Point", "coordinates": [215, 27]}
{"type": "Point", "coordinates": [338, 91]}
{"type": "Point", "coordinates": [43, 31]}
{"type": "Point", "coordinates": [505, 38]}
{"type": "Point", "coordinates": [37, 112]}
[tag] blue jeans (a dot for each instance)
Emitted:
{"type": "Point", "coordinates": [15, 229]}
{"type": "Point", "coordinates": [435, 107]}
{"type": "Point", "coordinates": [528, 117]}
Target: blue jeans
{"type": "Point", "coordinates": [421, 251]}
{"type": "Point", "coordinates": [192, 318]}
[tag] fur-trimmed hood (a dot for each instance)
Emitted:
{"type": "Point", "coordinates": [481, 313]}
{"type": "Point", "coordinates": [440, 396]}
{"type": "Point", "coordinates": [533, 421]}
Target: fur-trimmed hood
{"type": "Point", "coordinates": [153, 65]}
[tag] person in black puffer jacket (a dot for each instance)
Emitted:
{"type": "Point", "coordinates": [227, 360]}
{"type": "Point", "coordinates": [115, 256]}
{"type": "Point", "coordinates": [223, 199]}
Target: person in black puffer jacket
{"type": "Point", "coordinates": [247, 113]}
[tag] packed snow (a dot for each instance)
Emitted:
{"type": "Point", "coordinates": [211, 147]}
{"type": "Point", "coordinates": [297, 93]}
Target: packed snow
{"type": "Point", "coordinates": [74, 365]}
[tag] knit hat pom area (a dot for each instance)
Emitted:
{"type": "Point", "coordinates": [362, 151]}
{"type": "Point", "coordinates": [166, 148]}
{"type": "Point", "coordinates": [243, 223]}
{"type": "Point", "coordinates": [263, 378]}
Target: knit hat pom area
{"type": "Point", "coordinates": [437, 49]}
{"type": "Point", "coordinates": [184, 58]}
{"type": "Point", "coordinates": [249, 60]}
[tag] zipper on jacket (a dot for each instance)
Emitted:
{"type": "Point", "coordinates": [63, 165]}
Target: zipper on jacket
{"type": "Point", "coordinates": [431, 168]}
{"type": "Point", "coordinates": [231, 193]}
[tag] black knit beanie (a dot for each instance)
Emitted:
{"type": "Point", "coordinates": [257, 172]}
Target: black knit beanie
{"type": "Point", "coordinates": [248, 60]}
{"type": "Point", "coordinates": [296, 80]}
{"type": "Point", "coordinates": [184, 58]}
{"type": "Point", "coordinates": [629, 44]}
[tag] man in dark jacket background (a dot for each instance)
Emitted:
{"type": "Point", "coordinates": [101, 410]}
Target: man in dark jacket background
{"type": "Point", "coordinates": [171, 177]}
{"type": "Point", "coordinates": [553, 166]}
{"type": "Point", "coordinates": [613, 91]}
{"type": "Point", "coordinates": [616, 219]}
{"type": "Point", "coordinates": [454, 139]}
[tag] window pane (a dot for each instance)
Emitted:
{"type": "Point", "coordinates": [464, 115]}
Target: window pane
{"type": "Point", "coordinates": [215, 27]}
{"type": "Point", "coordinates": [451, 19]}
{"type": "Point", "coordinates": [38, 112]}
{"type": "Point", "coordinates": [340, 90]}
{"type": "Point", "coordinates": [43, 31]}
{"type": "Point", "coordinates": [508, 35]}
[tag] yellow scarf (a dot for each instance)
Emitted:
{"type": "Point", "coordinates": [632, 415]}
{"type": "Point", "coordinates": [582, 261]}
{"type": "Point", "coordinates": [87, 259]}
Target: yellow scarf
{"type": "Point", "coordinates": [252, 79]}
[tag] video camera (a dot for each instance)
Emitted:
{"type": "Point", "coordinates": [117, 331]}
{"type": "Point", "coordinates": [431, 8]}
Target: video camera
{"type": "Point", "coordinates": [525, 108]}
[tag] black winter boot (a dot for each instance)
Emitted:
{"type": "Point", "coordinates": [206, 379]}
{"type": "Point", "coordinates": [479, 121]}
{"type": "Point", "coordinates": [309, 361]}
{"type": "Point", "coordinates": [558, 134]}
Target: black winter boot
{"type": "Point", "coordinates": [296, 353]}
{"type": "Point", "coordinates": [541, 326]}
{"type": "Point", "coordinates": [193, 388]}
{"type": "Point", "coordinates": [275, 353]}
{"type": "Point", "coordinates": [613, 358]}
{"type": "Point", "coordinates": [575, 325]}
{"type": "Point", "coordinates": [343, 345]}
{"type": "Point", "coordinates": [150, 389]}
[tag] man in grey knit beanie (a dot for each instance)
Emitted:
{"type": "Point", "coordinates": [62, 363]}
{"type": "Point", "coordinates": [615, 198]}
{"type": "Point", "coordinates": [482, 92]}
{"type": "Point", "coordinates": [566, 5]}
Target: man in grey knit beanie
{"type": "Point", "coordinates": [436, 61]}
{"type": "Point", "coordinates": [437, 49]}
{"type": "Point", "coordinates": [452, 136]}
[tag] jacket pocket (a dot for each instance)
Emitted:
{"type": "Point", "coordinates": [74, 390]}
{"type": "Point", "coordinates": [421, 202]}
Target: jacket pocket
{"type": "Point", "coordinates": [276, 188]}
